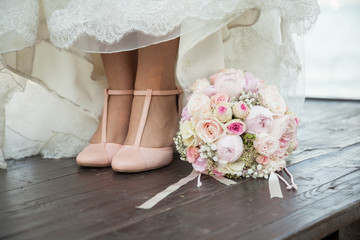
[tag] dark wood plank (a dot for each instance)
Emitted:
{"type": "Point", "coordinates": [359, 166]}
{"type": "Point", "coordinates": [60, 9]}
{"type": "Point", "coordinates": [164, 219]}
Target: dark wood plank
{"type": "Point", "coordinates": [55, 199]}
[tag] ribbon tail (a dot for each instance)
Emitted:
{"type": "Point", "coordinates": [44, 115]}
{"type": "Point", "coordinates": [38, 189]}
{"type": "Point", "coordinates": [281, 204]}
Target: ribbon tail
{"type": "Point", "coordinates": [274, 186]}
{"type": "Point", "coordinates": [172, 188]}
{"type": "Point", "coordinates": [225, 181]}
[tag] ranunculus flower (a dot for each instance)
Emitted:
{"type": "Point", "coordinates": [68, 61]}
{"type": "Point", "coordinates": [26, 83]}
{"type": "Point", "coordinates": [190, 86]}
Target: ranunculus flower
{"type": "Point", "coordinates": [259, 120]}
{"type": "Point", "coordinates": [223, 112]}
{"type": "Point", "coordinates": [185, 116]}
{"type": "Point", "coordinates": [187, 132]}
{"type": "Point", "coordinates": [192, 153]}
{"type": "Point", "coordinates": [209, 91]}
{"type": "Point", "coordinates": [251, 83]}
{"type": "Point", "coordinates": [240, 110]}
{"type": "Point", "coordinates": [263, 160]}
{"type": "Point", "coordinates": [266, 144]}
{"type": "Point", "coordinates": [209, 129]}
{"type": "Point", "coordinates": [218, 98]}
{"type": "Point", "coordinates": [272, 99]}
{"type": "Point", "coordinates": [235, 126]}
{"type": "Point", "coordinates": [198, 102]}
{"type": "Point", "coordinates": [230, 82]}
{"type": "Point", "coordinates": [229, 148]}
{"type": "Point", "coordinates": [200, 164]}
{"type": "Point", "coordinates": [200, 84]}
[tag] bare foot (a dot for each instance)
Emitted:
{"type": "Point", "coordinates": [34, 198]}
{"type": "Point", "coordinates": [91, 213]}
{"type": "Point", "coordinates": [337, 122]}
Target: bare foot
{"type": "Point", "coordinates": [117, 122]}
{"type": "Point", "coordinates": [161, 124]}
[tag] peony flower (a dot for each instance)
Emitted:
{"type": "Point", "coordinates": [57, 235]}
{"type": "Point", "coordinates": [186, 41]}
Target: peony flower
{"type": "Point", "coordinates": [230, 82]}
{"type": "Point", "coordinates": [251, 83]}
{"type": "Point", "coordinates": [266, 144]}
{"type": "Point", "coordinates": [185, 116]}
{"type": "Point", "coordinates": [272, 99]}
{"type": "Point", "coordinates": [263, 160]}
{"type": "Point", "coordinates": [198, 102]}
{"type": "Point", "coordinates": [187, 132]}
{"type": "Point", "coordinates": [218, 98]}
{"type": "Point", "coordinates": [192, 153]}
{"type": "Point", "coordinates": [209, 129]}
{"type": "Point", "coordinates": [229, 148]}
{"type": "Point", "coordinates": [209, 91]}
{"type": "Point", "coordinates": [200, 84]}
{"type": "Point", "coordinates": [259, 120]}
{"type": "Point", "coordinates": [240, 110]}
{"type": "Point", "coordinates": [200, 164]}
{"type": "Point", "coordinates": [223, 112]}
{"type": "Point", "coordinates": [235, 126]}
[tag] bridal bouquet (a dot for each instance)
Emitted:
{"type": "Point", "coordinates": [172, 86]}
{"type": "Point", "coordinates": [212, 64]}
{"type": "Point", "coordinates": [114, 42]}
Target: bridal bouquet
{"type": "Point", "coordinates": [236, 126]}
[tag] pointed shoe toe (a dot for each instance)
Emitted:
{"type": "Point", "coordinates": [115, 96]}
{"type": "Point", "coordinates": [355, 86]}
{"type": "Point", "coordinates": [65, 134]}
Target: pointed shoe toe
{"type": "Point", "coordinates": [140, 159]}
{"type": "Point", "coordinates": [97, 155]}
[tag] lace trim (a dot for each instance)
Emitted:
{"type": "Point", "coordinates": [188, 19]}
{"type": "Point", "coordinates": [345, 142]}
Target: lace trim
{"type": "Point", "coordinates": [110, 22]}
{"type": "Point", "coordinates": [20, 16]}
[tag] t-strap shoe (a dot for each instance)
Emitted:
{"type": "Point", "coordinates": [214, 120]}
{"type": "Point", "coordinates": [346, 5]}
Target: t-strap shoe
{"type": "Point", "coordinates": [133, 158]}
{"type": "Point", "coordinates": [101, 154]}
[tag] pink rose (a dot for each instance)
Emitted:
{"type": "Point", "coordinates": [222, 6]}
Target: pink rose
{"type": "Point", "coordinates": [218, 98]}
{"type": "Point", "coordinates": [259, 120]}
{"type": "Point", "coordinates": [272, 99]}
{"type": "Point", "coordinates": [230, 82]}
{"type": "Point", "coordinates": [198, 102]}
{"type": "Point", "coordinates": [277, 164]}
{"type": "Point", "coordinates": [229, 148]}
{"type": "Point", "coordinates": [235, 126]}
{"type": "Point", "coordinates": [209, 129]}
{"type": "Point", "coordinates": [251, 83]}
{"type": "Point", "coordinates": [200, 84]}
{"type": "Point", "coordinates": [284, 129]}
{"type": "Point", "coordinates": [185, 116]}
{"type": "Point", "coordinates": [223, 112]}
{"type": "Point", "coordinates": [266, 144]}
{"type": "Point", "coordinates": [192, 153]}
{"type": "Point", "coordinates": [240, 110]}
{"type": "Point", "coordinates": [263, 160]}
{"type": "Point", "coordinates": [200, 164]}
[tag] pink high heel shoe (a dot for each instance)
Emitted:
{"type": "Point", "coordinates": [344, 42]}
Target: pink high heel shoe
{"type": "Point", "coordinates": [101, 154]}
{"type": "Point", "coordinates": [133, 158]}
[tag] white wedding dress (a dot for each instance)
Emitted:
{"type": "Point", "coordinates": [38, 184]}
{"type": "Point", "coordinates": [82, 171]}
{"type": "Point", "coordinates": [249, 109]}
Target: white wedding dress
{"type": "Point", "coordinates": [52, 79]}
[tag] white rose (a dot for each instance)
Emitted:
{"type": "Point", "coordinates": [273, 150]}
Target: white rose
{"type": "Point", "coordinates": [200, 85]}
{"type": "Point", "coordinates": [187, 132]}
{"type": "Point", "coordinates": [272, 99]}
{"type": "Point", "coordinates": [198, 102]}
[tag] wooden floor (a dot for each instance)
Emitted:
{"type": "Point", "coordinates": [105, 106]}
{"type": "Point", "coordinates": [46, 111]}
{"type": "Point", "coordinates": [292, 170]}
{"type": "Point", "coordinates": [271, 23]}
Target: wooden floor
{"type": "Point", "coordinates": [56, 199]}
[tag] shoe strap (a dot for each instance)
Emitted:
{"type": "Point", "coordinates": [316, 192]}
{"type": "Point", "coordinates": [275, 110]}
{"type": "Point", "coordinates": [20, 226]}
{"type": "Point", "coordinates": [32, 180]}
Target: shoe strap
{"type": "Point", "coordinates": [148, 94]}
{"type": "Point", "coordinates": [107, 93]}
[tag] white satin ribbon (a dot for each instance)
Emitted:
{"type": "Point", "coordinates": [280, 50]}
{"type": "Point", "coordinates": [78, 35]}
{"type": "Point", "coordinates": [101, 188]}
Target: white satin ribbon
{"type": "Point", "coordinates": [224, 180]}
{"type": "Point", "coordinates": [172, 188]}
{"type": "Point", "coordinates": [274, 186]}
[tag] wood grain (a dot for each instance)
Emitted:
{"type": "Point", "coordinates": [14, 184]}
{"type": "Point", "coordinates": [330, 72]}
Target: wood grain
{"type": "Point", "coordinates": [56, 199]}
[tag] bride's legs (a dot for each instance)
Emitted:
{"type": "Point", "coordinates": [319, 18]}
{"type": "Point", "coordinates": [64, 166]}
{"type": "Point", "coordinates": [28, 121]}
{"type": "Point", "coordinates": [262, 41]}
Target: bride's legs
{"type": "Point", "coordinates": [120, 71]}
{"type": "Point", "coordinates": [155, 70]}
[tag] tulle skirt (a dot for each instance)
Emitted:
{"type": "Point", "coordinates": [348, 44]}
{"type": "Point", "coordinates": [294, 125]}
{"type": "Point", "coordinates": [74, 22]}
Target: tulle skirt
{"type": "Point", "coordinates": [52, 77]}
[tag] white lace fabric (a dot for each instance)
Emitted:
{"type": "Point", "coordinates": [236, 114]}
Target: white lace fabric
{"type": "Point", "coordinates": [253, 35]}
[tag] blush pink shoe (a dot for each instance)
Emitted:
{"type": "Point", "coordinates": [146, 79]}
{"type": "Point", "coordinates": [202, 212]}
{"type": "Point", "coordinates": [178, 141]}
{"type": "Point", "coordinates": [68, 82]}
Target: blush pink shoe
{"type": "Point", "coordinates": [133, 158]}
{"type": "Point", "coordinates": [101, 154]}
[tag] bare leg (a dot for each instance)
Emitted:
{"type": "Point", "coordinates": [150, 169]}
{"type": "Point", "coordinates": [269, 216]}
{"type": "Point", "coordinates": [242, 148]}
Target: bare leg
{"type": "Point", "coordinates": [156, 70]}
{"type": "Point", "coordinates": [120, 71]}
